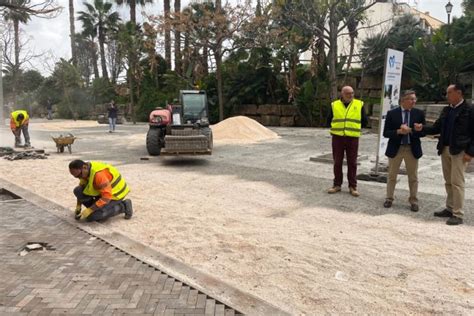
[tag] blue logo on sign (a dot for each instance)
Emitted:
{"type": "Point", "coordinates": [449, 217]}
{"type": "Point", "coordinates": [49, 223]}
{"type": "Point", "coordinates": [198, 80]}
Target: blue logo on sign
{"type": "Point", "coordinates": [391, 61]}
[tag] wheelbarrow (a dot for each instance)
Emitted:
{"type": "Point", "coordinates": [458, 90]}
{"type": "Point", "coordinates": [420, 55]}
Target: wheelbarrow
{"type": "Point", "coordinates": [63, 141]}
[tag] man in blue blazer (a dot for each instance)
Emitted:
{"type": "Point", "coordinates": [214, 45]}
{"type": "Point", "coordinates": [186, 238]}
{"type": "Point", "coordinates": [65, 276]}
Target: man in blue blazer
{"type": "Point", "coordinates": [403, 127]}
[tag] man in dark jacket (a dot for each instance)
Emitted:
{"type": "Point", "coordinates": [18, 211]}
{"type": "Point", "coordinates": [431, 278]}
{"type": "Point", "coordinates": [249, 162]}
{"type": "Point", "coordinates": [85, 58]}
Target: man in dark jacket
{"type": "Point", "coordinates": [112, 113]}
{"type": "Point", "coordinates": [404, 144]}
{"type": "Point", "coordinates": [456, 147]}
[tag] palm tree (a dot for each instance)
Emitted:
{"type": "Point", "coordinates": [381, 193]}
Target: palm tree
{"type": "Point", "coordinates": [89, 35]}
{"type": "Point", "coordinates": [133, 57]}
{"type": "Point", "coordinates": [72, 31]}
{"type": "Point", "coordinates": [133, 5]}
{"type": "Point", "coordinates": [17, 16]}
{"type": "Point", "coordinates": [86, 57]}
{"type": "Point", "coordinates": [100, 19]}
{"type": "Point", "coordinates": [352, 26]}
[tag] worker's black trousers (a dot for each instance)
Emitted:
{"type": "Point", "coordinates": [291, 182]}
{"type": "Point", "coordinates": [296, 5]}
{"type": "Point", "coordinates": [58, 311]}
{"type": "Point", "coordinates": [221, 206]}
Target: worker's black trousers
{"type": "Point", "coordinates": [110, 209]}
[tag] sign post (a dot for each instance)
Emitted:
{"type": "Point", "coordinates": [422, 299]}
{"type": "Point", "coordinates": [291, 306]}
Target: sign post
{"type": "Point", "coordinates": [390, 95]}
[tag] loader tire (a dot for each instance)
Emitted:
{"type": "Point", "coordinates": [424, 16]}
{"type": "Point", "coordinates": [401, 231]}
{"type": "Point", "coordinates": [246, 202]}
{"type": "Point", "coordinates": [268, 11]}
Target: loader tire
{"type": "Point", "coordinates": [154, 141]}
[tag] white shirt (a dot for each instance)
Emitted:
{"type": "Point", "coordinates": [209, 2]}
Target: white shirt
{"type": "Point", "coordinates": [455, 106]}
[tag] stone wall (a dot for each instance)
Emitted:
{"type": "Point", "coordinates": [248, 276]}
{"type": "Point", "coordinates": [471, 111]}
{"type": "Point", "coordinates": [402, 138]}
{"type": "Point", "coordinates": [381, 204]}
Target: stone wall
{"type": "Point", "coordinates": [270, 114]}
{"type": "Point", "coordinates": [287, 114]}
{"type": "Point", "coordinates": [432, 111]}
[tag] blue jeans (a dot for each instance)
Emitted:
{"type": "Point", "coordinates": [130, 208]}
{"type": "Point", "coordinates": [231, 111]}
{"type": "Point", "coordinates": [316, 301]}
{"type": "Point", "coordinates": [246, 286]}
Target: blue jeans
{"type": "Point", "coordinates": [112, 121]}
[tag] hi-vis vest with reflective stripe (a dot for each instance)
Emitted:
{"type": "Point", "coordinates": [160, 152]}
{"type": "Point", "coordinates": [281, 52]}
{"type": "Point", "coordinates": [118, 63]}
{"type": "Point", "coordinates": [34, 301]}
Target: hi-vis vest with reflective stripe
{"type": "Point", "coordinates": [346, 121]}
{"type": "Point", "coordinates": [15, 114]}
{"type": "Point", "coordinates": [119, 186]}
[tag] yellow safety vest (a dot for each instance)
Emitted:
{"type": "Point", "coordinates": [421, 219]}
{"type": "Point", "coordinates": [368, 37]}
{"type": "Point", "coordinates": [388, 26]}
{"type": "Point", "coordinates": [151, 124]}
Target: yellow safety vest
{"type": "Point", "coordinates": [14, 116]}
{"type": "Point", "coordinates": [346, 121]}
{"type": "Point", "coordinates": [119, 187]}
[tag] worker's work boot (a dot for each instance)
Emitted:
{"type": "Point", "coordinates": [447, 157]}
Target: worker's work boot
{"type": "Point", "coordinates": [334, 189]}
{"type": "Point", "coordinates": [128, 208]}
{"type": "Point", "coordinates": [354, 192]}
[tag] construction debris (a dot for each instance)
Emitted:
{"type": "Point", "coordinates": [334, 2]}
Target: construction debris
{"type": "Point", "coordinates": [6, 151]}
{"type": "Point", "coordinates": [35, 246]}
{"type": "Point", "coordinates": [25, 155]}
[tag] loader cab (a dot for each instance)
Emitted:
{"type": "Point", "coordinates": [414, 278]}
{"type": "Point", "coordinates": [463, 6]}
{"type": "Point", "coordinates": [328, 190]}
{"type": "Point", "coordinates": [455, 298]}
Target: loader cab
{"type": "Point", "coordinates": [194, 107]}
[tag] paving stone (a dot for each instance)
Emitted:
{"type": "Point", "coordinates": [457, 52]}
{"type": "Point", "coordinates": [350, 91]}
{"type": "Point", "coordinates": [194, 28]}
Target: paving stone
{"type": "Point", "coordinates": [83, 274]}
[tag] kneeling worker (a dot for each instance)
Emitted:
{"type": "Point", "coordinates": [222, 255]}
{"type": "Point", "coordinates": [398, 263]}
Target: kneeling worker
{"type": "Point", "coordinates": [101, 190]}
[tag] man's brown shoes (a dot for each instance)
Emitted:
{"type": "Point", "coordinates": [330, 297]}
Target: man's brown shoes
{"type": "Point", "coordinates": [354, 192]}
{"type": "Point", "coordinates": [334, 189]}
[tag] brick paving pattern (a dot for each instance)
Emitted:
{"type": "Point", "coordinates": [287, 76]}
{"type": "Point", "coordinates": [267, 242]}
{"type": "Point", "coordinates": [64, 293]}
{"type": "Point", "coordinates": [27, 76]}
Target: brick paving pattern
{"type": "Point", "coordinates": [83, 274]}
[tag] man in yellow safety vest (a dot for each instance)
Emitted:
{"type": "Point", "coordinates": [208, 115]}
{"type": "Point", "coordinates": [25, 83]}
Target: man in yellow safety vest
{"type": "Point", "coordinates": [19, 121]}
{"type": "Point", "coordinates": [346, 119]}
{"type": "Point", "coordinates": [102, 190]}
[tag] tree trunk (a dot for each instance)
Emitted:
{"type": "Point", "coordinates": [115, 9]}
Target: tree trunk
{"type": "Point", "coordinates": [186, 51]}
{"type": "Point", "coordinates": [132, 99]}
{"type": "Point", "coordinates": [133, 58]}
{"type": "Point", "coordinates": [219, 85]}
{"type": "Point", "coordinates": [102, 53]}
{"type": "Point", "coordinates": [166, 5]}
{"type": "Point", "coordinates": [72, 31]}
{"type": "Point", "coordinates": [95, 65]}
{"type": "Point", "coordinates": [205, 59]}
{"type": "Point", "coordinates": [16, 67]}
{"type": "Point", "coordinates": [16, 28]}
{"type": "Point", "coordinates": [133, 16]}
{"type": "Point", "coordinates": [2, 113]}
{"type": "Point", "coordinates": [177, 40]}
{"type": "Point", "coordinates": [218, 56]}
{"type": "Point", "coordinates": [292, 81]}
{"type": "Point", "coordinates": [349, 59]}
{"type": "Point", "coordinates": [333, 57]}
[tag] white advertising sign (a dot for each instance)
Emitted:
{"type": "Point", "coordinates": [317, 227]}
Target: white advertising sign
{"type": "Point", "coordinates": [390, 92]}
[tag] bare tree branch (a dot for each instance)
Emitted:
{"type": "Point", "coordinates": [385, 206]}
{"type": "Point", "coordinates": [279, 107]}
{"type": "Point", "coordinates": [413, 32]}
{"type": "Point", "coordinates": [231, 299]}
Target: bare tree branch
{"type": "Point", "coordinates": [368, 26]}
{"type": "Point", "coordinates": [26, 55]}
{"type": "Point", "coordinates": [44, 9]}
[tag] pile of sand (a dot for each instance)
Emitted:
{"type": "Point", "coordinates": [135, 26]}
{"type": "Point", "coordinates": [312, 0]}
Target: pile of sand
{"type": "Point", "coordinates": [242, 129]}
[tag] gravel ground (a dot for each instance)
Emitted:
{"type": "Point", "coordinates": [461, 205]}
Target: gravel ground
{"type": "Point", "coordinates": [257, 217]}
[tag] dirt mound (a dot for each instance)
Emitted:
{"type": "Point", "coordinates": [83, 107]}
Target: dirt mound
{"type": "Point", "coordinates": [241, 129]}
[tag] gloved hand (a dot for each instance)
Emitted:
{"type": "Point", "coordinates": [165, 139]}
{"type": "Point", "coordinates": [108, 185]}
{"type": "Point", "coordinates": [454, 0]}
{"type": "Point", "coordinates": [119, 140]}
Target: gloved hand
{"type": "Point", "coordinates": [77, 212]}
{"type": "Point", "coordinates": [85, 213]}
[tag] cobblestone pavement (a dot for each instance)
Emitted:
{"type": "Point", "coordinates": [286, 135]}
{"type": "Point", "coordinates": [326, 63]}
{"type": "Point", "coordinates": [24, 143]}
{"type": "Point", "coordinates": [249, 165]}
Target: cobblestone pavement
{"type": "Point", "coordinates": [82, 274]}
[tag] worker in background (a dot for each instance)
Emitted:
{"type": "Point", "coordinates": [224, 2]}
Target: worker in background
{"type": "Point", "coordinates": [102, 190]}
{"type": "Point", "coordinates": [19, 121]}
{"type": "Point", "coordinates": [49, 108]}
{"type": "Point", "coordinates": [112, 113]}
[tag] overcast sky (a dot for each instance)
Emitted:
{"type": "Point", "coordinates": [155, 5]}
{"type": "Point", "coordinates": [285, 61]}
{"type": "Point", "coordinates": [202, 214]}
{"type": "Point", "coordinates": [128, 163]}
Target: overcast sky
{"type": "Point", "coordinates": [52, 35]}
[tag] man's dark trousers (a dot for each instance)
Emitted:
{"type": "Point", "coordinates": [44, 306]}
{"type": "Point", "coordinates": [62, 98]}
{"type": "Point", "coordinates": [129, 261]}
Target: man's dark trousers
{"type": "Point", "coordinates": [349, 145]}
{"type": "Point", "coordinates": [112, 208]}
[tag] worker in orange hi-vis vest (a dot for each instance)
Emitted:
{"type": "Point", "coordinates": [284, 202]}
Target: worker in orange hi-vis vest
{"type": "Point", "coordinates": [19, 121]}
